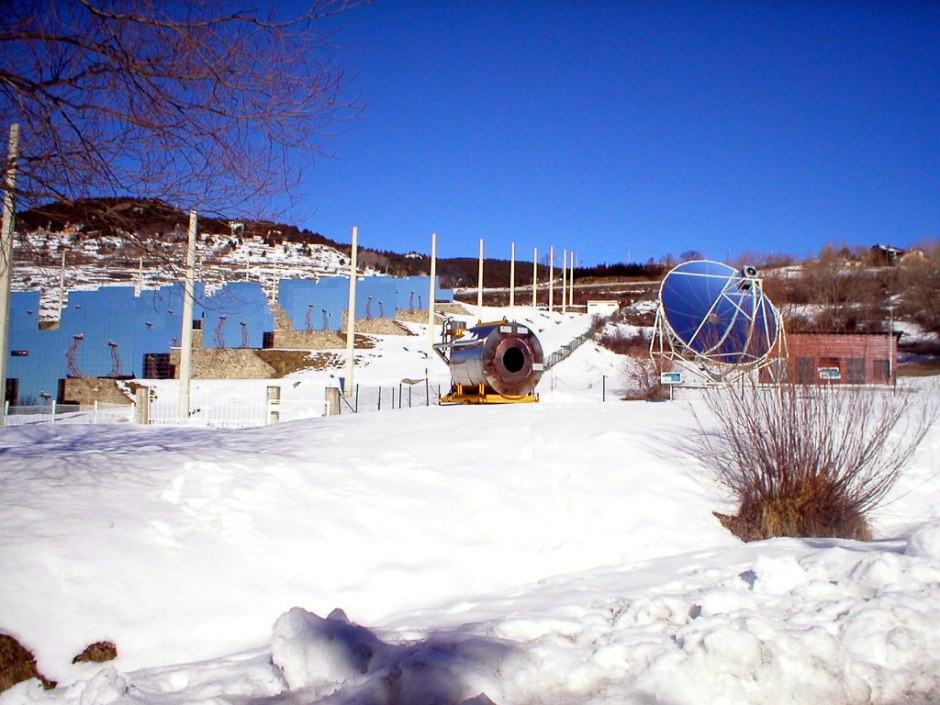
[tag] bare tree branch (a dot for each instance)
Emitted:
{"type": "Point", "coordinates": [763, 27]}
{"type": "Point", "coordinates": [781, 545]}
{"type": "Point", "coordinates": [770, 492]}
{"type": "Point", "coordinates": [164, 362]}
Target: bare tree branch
{"type": "Point", "coordinates": [200, 103]}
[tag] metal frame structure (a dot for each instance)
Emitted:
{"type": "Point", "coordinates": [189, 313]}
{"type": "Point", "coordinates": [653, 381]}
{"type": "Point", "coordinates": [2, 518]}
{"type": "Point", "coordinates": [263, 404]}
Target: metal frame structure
{"type": "Point", "coordinates": [731, 330]}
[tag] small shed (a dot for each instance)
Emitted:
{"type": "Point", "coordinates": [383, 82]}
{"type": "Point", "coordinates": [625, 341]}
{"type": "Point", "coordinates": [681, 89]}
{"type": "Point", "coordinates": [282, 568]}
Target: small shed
{"type": "Point", "coordinates": [602, 307]}
{"type": "Point", "coordinates": [842, 358]}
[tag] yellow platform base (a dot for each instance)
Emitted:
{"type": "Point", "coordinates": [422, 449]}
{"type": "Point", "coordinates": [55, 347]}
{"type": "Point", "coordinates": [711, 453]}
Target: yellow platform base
{"type": "Point", "coordinates": [479, 395]}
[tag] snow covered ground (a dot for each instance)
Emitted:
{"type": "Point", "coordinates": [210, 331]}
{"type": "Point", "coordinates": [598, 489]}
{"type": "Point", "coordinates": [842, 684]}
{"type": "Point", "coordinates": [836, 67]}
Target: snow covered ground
{"type": "Point", "coordinates": [563, 552]}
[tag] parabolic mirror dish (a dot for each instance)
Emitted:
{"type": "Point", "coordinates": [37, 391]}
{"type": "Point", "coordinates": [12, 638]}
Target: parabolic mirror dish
{"type": "Point", "coordinates": [714, 313]}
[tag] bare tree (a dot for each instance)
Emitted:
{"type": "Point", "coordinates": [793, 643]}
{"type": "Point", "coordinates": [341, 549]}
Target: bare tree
{"type": "Point", "coordinates": [810, 461]}
{"type": "Point", "coordinates": [204, 104]}
{"type": "Point", "coordinates": [833, 293]}
{"type": "Point", "coordinates": [920, 288]}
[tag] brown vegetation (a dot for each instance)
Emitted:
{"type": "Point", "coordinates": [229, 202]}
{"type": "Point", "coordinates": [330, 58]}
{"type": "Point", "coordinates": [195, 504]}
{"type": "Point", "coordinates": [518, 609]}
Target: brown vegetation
{"type": "Point", "coordinates": [809, 461]}
{"type": "Point", "coordinates": [99, 652]}
{"type": "Point", "coordinates": [17, 664]}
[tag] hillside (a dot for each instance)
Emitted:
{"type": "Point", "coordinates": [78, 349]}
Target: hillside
{"type": "Point", "coordinates": [113, 241]}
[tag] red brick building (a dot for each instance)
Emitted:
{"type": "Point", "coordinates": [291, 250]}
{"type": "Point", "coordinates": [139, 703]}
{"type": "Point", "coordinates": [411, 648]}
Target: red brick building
{"type": "Point", "coordinates": [842, 358]}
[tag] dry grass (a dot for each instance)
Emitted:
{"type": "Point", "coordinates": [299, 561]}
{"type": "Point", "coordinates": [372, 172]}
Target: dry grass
{"type": "Point", "coordinates": [17, 664]}
{"type": "Point", "coordinates": [99, 652]}
{"type": "Point", "coordinates": [810, 461]}
{"type": "Point", "coordinates": [925, 368]}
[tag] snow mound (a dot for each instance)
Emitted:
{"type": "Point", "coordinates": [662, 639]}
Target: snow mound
{"type": "Point", "coordinates": [350, 664]}
{"type": "Point", "coordinates": [925, 542]}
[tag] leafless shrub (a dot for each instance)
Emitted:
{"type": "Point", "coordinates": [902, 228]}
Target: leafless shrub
{"type": "Point", "coordinates": [644, 374]}
{"type": "Point", "coordinates": [623, 341]}
{"type": "Point", "coordinates": [810, 461]}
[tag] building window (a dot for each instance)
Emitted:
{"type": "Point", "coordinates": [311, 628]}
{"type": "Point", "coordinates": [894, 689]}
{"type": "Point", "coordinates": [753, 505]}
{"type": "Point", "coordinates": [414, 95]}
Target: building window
{"type": "Point", "coordinates": [881, 371]}
{"type": "Point", "coordinates": [805, 370]}
{"type": "Point", "coordinates": [855, 370]}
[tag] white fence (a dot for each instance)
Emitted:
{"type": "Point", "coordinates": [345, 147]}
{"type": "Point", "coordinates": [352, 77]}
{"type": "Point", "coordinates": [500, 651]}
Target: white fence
{"type": "Point", "coordinates": [54, 413]}
{"type": "Point", "coordinates": [251, 407]}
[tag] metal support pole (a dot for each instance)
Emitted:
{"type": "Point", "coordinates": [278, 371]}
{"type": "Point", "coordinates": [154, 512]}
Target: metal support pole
{"type": "Point", "coordinates": [186, 334]}
{"type": "Point", "coordinates": [480, 283]}
{"type": "Point", "coordinates": [432, 295]}
{"type": "Point", "coordinates": [512, 275]}
{"type": "Point", "coordinates": [351, 315]}
{"type": "Point", "coordinates": [551, 278]}
{"type": "Point", "coordinates": [564, 281]}
{"type": "Point", "coordinates": [62, 285]}
{"type": "Point", "coordinates": [535, 277]}
{"type": "Point", "coordinates": [6, 258]}
{"type": "Point", "coordinates": [571, 280]}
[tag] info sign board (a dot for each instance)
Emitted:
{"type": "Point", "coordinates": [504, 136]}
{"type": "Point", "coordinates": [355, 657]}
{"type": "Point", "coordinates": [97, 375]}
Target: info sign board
{"type": "Point", "coordinates": [670, 378]}
{"type": "Point", "coordinates": [829, 373]}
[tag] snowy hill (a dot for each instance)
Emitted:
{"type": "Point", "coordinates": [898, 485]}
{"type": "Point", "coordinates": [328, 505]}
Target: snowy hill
{"type": "Point", "coordinates": [561, 552]}
{"type": "Point", "coordinates": [118, 260]}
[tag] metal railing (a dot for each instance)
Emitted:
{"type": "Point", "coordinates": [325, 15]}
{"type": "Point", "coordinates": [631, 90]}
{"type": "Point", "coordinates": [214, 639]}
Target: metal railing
{"type": "Point", "coordinates": [54, 413]}
{"type": "Point", "coordinates": [565, 351]}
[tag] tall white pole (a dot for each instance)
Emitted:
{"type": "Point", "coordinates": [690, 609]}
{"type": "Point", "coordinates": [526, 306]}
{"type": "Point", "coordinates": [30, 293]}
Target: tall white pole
{"type": "Point", "coordinates": [551, 278]}
{"type": "Point", "coordinates": [6, 260]}
{"type": "Point", "coordinates": [62, 284]}
{"type": "Point", "coordinates": [571, 280]}
{"type": "Point", "coordinates": [432, 294]}
{"type": "Point", "coordinates": [480, 283]}
{"type": "Point", "coordinates": [535, 277]}
{"type": "Point", "coordinates": [351, 315]}
{"type": "Point", "coordinates": [186, 334]}
{"type": "Point", "coordinates": [140, 274]}
{"type": "Point", "coordinates": [564, 281]}
{"type": "Point", "coordinates": [512, 275]}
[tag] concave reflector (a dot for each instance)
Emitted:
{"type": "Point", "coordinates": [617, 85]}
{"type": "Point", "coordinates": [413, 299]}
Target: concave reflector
{"type": "Point", "coordinates": [714, 312]}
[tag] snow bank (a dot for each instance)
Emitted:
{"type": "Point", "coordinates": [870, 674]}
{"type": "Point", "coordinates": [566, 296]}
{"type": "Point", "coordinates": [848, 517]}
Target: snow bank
{"type": "Point", "coordinates": [562, 552]}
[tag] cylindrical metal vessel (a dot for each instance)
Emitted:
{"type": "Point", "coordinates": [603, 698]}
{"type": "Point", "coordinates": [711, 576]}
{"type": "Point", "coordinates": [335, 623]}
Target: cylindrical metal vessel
{"type": "Point", "coordinates": [505, 357]}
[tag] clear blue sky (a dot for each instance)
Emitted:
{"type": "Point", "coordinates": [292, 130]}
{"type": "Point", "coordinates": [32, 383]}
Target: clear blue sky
{"type": "Point", "coordinates": [635, 127]}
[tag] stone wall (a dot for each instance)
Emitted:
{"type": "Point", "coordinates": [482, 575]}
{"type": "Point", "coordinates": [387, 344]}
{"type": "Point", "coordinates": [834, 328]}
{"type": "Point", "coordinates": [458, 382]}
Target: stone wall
{"type": "Point", "coordinates": [88, 390]}
{"type": "Point", "coordinates": [231, 363]}
{"type": "Point", "coordinates": [289, 339]}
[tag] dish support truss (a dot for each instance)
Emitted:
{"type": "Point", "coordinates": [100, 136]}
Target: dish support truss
{"type": "Point", "coordinates": [752, 339]}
